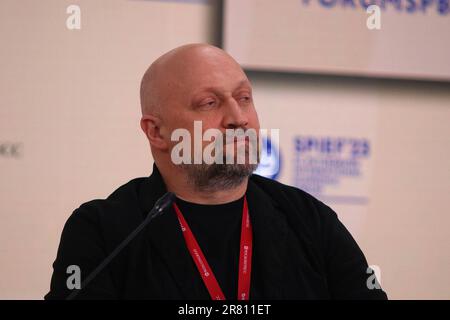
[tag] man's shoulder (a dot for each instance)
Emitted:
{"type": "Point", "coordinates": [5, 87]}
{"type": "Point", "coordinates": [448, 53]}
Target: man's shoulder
{"type": "Point", "coordinates": [125, 207]}
{"type": "Point", "coordinates": [279, 192]}
{"type": "Point", "coordinates": [121, 208]}
{"type": "Point", "coordinates": [126, 194]}
{"type": "Point", "coordinates": [271, 184]}
{"type": "Point", "coordinates": [298, 205]}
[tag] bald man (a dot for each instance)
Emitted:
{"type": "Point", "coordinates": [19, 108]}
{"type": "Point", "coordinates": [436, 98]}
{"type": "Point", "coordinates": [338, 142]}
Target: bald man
{"type": "Point", "coordinates": [229, 234]}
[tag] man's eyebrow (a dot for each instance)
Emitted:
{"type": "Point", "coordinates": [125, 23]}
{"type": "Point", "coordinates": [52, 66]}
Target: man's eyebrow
{"type": "Point", "coordinates": [241, 83]}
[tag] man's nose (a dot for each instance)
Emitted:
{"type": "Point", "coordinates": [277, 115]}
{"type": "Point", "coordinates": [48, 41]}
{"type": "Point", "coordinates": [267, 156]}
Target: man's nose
{"type": "Point", "coordinates": [234, 116]}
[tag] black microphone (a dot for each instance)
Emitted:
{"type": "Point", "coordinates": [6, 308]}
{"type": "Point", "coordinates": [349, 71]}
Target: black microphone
{"type": "Point", "coordinates": [159, 207]}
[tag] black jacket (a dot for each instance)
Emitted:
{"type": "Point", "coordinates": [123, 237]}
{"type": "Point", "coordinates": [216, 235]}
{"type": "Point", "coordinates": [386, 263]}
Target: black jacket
{"type": "Point", "coordinates": [301, 250]}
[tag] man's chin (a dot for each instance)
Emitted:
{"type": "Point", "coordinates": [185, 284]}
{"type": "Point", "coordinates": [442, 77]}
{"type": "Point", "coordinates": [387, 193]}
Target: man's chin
{"type": "Point", "coordinates": [218, 176]}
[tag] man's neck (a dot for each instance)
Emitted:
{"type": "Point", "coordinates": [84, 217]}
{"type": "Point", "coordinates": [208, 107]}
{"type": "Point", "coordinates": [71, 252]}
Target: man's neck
{"type": "Point", "coordinates": [180, 185]}
{"type": "Point", "coordinates": [213, 197]}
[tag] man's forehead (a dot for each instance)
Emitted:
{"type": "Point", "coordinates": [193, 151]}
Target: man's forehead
{"type": "Point", "coordinates": [207, 69]}
{"type": "Point", "coordinates": [209, 77]}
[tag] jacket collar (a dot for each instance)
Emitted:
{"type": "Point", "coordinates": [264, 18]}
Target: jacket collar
{"type": "Point", "coordinates": [269, 242]}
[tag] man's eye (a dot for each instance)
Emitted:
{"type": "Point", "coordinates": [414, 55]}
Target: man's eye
{"type": "Point", "coordinates": [208, 103]}
{"type": "Point", "coordinates": [245, 99]}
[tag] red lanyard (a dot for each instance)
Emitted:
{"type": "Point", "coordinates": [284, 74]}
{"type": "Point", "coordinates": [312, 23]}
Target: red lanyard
{"type": "Point", "coordinates": [245, 257]}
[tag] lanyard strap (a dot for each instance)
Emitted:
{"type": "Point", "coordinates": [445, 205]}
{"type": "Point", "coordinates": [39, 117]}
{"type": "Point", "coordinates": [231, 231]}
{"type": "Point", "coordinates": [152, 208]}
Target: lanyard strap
{"type": "Point", "coordinates": [245, 257]}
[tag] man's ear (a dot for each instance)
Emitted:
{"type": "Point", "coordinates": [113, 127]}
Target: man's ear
{"type": "Point", "coordinates": [151, 124]}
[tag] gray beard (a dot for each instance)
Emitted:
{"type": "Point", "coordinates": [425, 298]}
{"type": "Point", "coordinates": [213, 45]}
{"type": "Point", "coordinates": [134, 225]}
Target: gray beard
{"type": "Point", "coordinates": [216, 177]}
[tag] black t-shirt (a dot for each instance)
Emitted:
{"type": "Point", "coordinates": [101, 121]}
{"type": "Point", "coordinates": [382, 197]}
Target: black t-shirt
{"type": "Point", "coordinates": [217, 229]}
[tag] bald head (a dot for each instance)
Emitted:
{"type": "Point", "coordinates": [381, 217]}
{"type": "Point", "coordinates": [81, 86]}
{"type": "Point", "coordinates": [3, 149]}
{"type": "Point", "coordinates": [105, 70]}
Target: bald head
{"type": "Point", "coordinates": [192, 84]}
{"type": "Point", "coordinates": [169, 75]}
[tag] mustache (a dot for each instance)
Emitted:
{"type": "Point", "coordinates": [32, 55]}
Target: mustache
{"type": "Point", "coordinates": [239, 134]}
